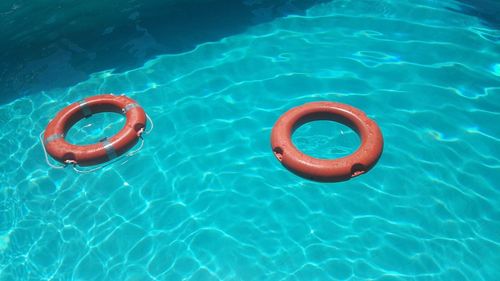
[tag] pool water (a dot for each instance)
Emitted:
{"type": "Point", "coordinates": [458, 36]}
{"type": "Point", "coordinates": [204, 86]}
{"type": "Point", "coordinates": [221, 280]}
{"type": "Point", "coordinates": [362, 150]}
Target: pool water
{"type": "Point", "coordinates": [95, 128]}
{"type": "Point", "coordinates": [325, 139]}
{"type": "Point", "coordinates": [206, 199]}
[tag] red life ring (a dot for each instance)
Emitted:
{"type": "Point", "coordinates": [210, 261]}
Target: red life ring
{"type": "Point", "coordinates": [339, 169]}
{"type": "Point", "coordinates": [86, 155]}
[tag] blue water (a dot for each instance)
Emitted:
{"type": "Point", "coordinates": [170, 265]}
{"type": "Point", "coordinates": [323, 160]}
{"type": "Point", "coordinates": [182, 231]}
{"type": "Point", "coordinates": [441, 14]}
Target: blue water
{"type": "Point", "coordinates": [206, 199]}
{"type": "Point", "coordinates": [50, 44]}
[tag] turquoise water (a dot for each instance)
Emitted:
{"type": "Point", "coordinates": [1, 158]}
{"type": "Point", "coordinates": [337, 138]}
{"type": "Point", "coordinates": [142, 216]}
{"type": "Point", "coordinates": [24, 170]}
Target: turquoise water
{"type": "Point", "coordinates": [206, 200]}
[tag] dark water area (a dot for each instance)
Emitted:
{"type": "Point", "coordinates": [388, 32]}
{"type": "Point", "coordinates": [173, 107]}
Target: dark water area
{"type": "Point", "coordinates": [486, 10]}
{"type": "Point", "coordinates": [51, 44]}
{"type": "Point", "coordinates": [47, 44]}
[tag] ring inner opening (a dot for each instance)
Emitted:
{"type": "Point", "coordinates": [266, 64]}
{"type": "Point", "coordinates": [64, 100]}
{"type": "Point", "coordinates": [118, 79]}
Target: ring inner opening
{"type": "Point", "coordinates": [325, 137]}
{"type": "Point", "coordinates": [95, 128]}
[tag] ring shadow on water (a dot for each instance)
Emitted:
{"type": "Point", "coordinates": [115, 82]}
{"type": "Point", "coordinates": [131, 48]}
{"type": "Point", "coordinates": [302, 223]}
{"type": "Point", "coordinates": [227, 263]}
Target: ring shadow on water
{"type": "Point", "coordinates": [55, 44]}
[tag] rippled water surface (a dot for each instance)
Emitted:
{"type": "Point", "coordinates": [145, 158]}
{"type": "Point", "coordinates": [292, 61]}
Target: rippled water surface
{"type": "Point", "coordinates": [206, 200]}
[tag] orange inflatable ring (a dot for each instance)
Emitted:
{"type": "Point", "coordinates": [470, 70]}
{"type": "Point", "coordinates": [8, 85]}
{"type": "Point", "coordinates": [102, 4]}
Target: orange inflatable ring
{"type": "Point", "coordinates": [110, 148]}
{"type": "Point", "coordinates": [339, 169]}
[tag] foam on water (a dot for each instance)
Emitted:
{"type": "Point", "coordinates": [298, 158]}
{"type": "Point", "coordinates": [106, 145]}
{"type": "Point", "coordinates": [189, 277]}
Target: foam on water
{"type": "Point", "coordinates": [206, 199]}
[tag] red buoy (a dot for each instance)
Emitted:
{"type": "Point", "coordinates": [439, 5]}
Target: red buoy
{"type": "Point", "coordinates": [332, 170]}
{"type": "Point", "coordinates": [108, 149]}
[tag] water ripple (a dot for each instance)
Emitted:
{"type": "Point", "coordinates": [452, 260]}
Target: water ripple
{"type": "Point", "coordinates": [206, 200]}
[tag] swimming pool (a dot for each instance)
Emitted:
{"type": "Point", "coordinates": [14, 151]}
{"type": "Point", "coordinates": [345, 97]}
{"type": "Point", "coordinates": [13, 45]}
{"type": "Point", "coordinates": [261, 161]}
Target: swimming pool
{"type": "Point", "coordinates": [206, 199]}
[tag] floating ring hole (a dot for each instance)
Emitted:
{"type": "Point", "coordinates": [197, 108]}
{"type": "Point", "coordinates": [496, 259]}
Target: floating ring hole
{"type": "Point", "coordinates": [326, 139]}
{"type": "Point", "coordinates": [69, 156]}
{"type": "Point", "coordinates": [95, 128]}
{"type": "Point", "coordinates": [357, 169]}
{"type": "Point", "coordinates": [278, 152]}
